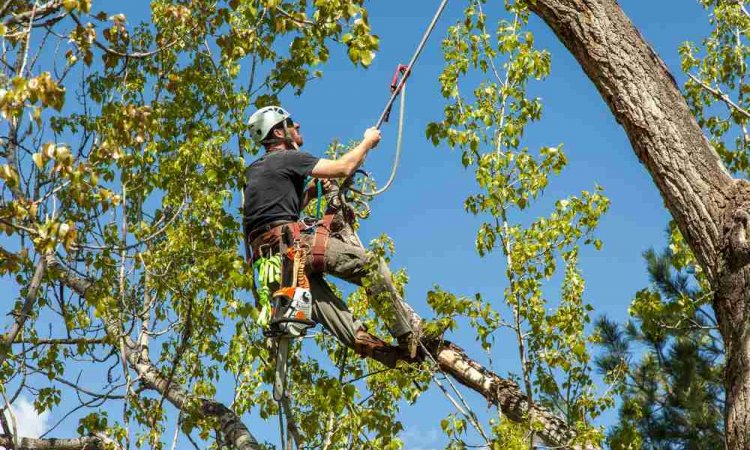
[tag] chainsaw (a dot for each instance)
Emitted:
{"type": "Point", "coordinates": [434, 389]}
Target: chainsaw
{"type": "Point", "coordinates": [291, 315]}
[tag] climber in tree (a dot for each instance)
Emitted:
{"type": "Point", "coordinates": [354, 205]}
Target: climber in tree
{"type": "Point", "coordinates": [275, 195]}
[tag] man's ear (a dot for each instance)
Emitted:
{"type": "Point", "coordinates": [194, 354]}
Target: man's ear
{"type": "Point", "coordinates": [278, 133]}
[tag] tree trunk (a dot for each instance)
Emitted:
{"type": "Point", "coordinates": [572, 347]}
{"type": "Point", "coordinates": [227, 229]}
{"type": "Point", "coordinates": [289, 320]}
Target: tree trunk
{"type": "Point", "coordinates": [708, 205]}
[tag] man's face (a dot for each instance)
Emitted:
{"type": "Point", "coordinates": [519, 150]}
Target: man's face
{"type": "Point", "coordinates": [292, 128]}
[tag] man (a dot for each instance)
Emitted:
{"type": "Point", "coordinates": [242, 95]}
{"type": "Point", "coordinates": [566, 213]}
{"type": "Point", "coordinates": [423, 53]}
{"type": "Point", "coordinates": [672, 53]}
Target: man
{"type": "Point", "coordinates": [275, 194]}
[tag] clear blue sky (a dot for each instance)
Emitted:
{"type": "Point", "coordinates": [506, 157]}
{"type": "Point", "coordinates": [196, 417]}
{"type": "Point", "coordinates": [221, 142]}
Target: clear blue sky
{"type": "Point", "coordinates": [423, 211]}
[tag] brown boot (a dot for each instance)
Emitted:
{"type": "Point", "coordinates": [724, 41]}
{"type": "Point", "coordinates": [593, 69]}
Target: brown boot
{"type": "Point", "coordinates": [365, 344]}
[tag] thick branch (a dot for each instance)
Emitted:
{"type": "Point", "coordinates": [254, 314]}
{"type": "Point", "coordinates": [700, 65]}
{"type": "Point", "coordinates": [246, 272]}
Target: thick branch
{"type": "Point", "coordinates": [28, 304]}
{"type": "Point", "coordinates": [232, 428]}
{"type": "Point", "coordinates": [82, 443]}
{"type": "Point", "coordinates": [503, 393]}
{"type": "Point", "coordinates": [38, 13]}
{"type": "Point", "coordinates": [645, 99]}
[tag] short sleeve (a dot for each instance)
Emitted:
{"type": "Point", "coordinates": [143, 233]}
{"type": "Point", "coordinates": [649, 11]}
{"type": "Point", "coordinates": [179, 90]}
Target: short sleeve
{"type": "Point", "coordinates": [300, 163]}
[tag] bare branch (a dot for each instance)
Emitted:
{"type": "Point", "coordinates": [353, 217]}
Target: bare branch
{"type": "Point", "coordinates": [135, 55]}
{"type": "Point", "coordinates": [62, 341]}
{"type": "Point", "coordinates": [35, 13]}
{"type": "Point", "coordinates": [503, 393]}
{"type": "Point", "coordinates": [232, 427]}
{"type": "Point", "coordinates": [295, 19]}
{"type": "Point", "coordinates": [719, 94]}
{"type": "Point", "coordinates": [28, 304]}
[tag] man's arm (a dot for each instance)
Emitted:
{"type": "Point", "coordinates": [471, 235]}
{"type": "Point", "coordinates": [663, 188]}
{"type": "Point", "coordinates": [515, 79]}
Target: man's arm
{"type": "Point", "coordinates": [347, 164]}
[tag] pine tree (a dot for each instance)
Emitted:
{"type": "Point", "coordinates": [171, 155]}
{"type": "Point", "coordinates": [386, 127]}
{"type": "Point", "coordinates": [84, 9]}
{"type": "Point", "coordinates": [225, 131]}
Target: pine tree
{"type": "Point", "coordinates": [666, 362]}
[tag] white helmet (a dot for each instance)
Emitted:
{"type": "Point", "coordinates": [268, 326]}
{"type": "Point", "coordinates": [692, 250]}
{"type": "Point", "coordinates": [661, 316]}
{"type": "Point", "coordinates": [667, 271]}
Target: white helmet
{"type": "Point", "coordinates": [264, 119]}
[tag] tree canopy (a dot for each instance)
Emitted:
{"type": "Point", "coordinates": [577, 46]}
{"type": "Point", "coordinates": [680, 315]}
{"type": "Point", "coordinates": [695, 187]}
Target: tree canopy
{"type": "Point", "coordinates": [122, 153]}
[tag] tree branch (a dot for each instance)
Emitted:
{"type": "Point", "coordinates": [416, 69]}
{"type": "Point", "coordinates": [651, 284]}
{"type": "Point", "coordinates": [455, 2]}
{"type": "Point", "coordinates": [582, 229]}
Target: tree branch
{"type": "Point", "coordinates": [37, 13]}
{"type": "Point", "coordinates": [82, 443]}
{"type": "Point", "coordinates": [135, 55]}
{"type": "Point", "coordinates": [503, 393]}
{"type": "Point", "coordinates": [29, 299]}
{"type": "Point", "coordinates": [716, 92]}
{"type": "Point", "coordinates": [232, 427]}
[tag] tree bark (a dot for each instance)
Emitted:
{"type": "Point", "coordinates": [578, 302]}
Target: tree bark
{"type": "Point", "coordinates": [709, 206]}
{"type": "Point", "coordinates": [505, 394]}
{"type": "Point", "coordinates": [32, 291]}
{"type": "Point", "coordinates": [82, 443]}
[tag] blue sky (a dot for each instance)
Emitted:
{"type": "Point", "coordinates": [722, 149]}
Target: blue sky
{"type": "Point", "coordinates": [423, 210]}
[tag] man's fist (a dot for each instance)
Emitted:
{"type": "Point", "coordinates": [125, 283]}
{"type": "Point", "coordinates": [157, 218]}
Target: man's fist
{"type": "Point", "coordinates": [372, 136]}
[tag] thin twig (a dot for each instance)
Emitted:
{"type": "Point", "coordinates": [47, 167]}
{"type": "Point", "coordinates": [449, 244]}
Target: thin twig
{"type": "Point", "coordinates": [291, 17]}
{"type": "Point", "coordinates": [135, 55]}
{"type": "Point", "coordinates": [720, 95]}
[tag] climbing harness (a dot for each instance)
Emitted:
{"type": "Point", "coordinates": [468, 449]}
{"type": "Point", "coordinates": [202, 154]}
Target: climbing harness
{"type": "Point", "coordinates": [399, 88]}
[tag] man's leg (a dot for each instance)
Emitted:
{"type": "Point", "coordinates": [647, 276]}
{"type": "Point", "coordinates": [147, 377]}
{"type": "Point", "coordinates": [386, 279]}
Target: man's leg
{"type": "Point", "coordinates": [350, 263]}
{"type": "Point", "coordinates": [331, 312]}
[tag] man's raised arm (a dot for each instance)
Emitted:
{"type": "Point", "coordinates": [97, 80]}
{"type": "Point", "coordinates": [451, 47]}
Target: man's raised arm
{"type": "Point", "coordinates": [347, 164]}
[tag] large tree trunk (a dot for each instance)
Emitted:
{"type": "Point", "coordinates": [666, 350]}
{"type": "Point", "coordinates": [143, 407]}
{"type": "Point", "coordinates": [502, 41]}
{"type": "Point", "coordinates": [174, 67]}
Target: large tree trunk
{"type": "Point", "coordinates": [708, 205]}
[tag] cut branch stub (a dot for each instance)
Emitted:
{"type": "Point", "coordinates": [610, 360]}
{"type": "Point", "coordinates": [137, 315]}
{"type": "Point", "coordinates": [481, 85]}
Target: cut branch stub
{"type": "Point", "coordinates": [739, 245]}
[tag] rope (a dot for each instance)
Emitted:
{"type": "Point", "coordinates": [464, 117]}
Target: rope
{"type": "Point", "coordinates": [399, 138]}
{"type": "Point", "coordinates": [400, 87]}
{"type": "Point", "coordinates": [413, 61]}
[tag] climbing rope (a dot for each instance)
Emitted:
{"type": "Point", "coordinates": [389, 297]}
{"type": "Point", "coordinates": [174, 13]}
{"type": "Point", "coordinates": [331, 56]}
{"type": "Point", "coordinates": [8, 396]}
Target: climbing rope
{"type": "Point", "coordinates": [413, 61]}
{"type": "Point", "coordinates": [399, 139]}
{"type": "Point", "coordinates": [400, 89]}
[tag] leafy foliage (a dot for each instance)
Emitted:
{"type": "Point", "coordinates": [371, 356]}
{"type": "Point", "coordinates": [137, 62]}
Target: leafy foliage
{"type": "Point", "coordinates": [122, 158]}
{"type": "Point", "coordinates": [718, 69]}
{"type": "Point", "coordinates": [487, 124]}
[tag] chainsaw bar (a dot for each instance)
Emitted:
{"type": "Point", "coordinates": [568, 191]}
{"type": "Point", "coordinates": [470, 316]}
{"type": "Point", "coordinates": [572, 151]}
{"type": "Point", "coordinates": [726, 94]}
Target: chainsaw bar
{"type": "Point", "coordinates": [282, 357]}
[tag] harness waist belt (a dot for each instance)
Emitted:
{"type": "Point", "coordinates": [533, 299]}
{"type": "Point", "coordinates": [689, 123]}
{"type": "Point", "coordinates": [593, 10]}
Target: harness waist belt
{"type": "Point", "coordinates": [257, 232]}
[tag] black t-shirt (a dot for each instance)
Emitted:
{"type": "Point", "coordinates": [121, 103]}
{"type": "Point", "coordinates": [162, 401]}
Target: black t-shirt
{"type": "Point", "coordinates": [275, 186]}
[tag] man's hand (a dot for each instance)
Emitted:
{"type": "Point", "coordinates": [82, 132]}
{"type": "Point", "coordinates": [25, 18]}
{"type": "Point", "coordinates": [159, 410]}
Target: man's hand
{"type": "Point", "coordinates": [312, 187]}
{"type": "Point", "coordinates": [372, 137]}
